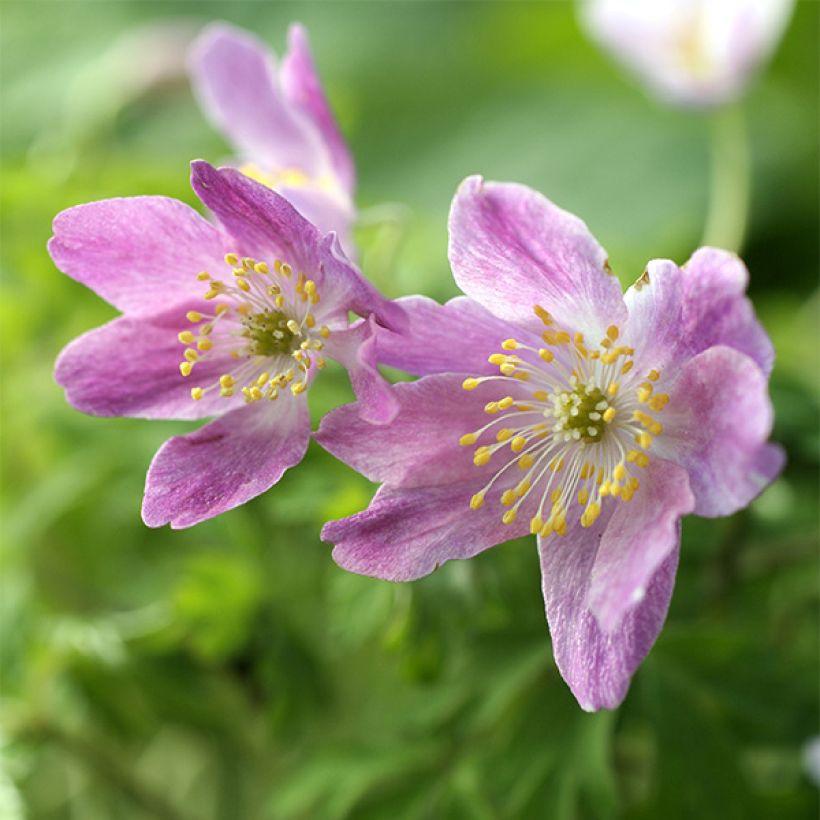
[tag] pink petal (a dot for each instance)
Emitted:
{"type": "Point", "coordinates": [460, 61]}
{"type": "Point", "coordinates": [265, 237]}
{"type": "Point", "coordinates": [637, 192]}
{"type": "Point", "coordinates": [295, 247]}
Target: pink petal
{"type": "Point", "coordinates": [639, 538]}
{"type": "Point", "coordinates": [597, 665]}
{"type": "Point", "coordinates": [266, 226]}
{"type": "Point", "coordinates": [456, 337]}
{"type": "Point", "coordinates": [511, 248]}
{"type": "Point", "coordinates": [716, 425]}
{"type": "Point", "coordinates": [676, 313]}
{"type": "Point", "coordinates": [234, 76]}
{"type": "Point", "coordinates": [717, 311]}
{"type": "Point", "coordinates": [260, 221]}
{"type": "Point", "coordinates": [139, 253]}
{"type": "Point", "coordinates": [303, 89]}
{"type": "Point", "coordinates": [355, 350]}
{"type": "Point", "coordinates": [225, 463]}
{"type": "Point", "coordinates": [419, 447]}
{"type": "Point", "coordinates": [407, 533]}
{"type": "Point", "coordinates": [130, 367]}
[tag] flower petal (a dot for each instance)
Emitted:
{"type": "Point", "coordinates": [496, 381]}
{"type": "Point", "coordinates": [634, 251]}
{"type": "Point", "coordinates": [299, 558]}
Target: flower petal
{"type": "Point", "coordinates": [130, 367]}
{"type": "Point", "coordinates": [676, 313]}
{"type": "Point", "coordinates": [639, 538]}
{"type": "Point", "coordinates": [511, 248]}
{"type": "Point", "coordinates": [225, 463]}
{"type": "Point", "coordinates": [266, 225]}
{"type": "Point", "coordinates": [234, 76]}
{"type": "Point", "coordinates": [419, 447]}
{"type": "Point", "coordinates": [716, 310]}
{"type": "Point", "coordinates": [456, 337]}
{"type": "Point", "coordinates": [716, 425]}
{"type": "Point", "coordinates": [355, 349]}
{"type": "Point", "coordinates": [327, 211]}
{"type": "Point", "coordinates": [407, 533]}
{"type": "Point", "coordinates": [137, 253]}
{"type": "Point", "coordinates": [303, 88]}
{"type": "Point", "coordinates": [597, 665]}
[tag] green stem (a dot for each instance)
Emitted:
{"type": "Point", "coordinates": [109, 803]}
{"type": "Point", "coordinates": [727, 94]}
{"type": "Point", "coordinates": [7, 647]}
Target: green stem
{"type": "Point", "coordinates": [730, 181]}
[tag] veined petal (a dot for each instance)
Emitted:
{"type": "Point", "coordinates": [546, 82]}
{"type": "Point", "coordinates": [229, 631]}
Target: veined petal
{"type": "Point", "coordinates": [264, 225]}
{"type": "Point", "coordinates": [303, 89]}
{"type": "Point", "coordinates": [355, 349]}
{"type": "Point", "coordinates": [511, 248]}
{"type": "Point", "coordinates": [656, 327]}
{"type": "Point", "coordinates": [675, 313]}
{"type": "Point", "coordinates": [347, 289]}
{"type": "Point", "coordinates": [598, 666]}
{"type": "Point", "coordinates": [407, 533]}
{"type": "Point", "coordinates": [234, 76]}
{"type": "Point", "coordinates": [639, 538]}
{"type": "Point", "coordinates": [225, 463]}
{"type": "Point", "coordinates": [716, 310]}
{"type": "Point", "coordinates": [456, 337]}
{"type": "Point", "coordinates": [261, 221]}
{"type": "Point", "coordinates": [420, 446]}
{"type": "Point", "coordinates": [130, 367]}
{"type": "Point", "coordinates": [138, 253]}
{"type": "Point", "coordinates": [326, 210]}
{"type": "Point", "coordinates": [716, 425]}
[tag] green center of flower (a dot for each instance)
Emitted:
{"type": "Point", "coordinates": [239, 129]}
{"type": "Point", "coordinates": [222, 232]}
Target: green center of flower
{"type": "Point", "coordinates": [268, 334]}
{"type": "Point", "coordinates": [581, 409]}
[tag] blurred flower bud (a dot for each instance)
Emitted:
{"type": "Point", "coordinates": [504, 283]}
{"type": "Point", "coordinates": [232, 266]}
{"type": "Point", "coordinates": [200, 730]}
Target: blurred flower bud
{"type": "Point", "coordinates": [688, 52]}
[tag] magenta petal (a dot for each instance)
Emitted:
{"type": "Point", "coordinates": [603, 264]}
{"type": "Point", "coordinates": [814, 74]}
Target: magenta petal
{"type": "Point", "coordinates": [130, 367]}
{"type": "Point", "coordinates": [656, 327]}
{"type": "Point", "coordinates": [137, 253]}
{"type": "Point", "coordinates": [326, 210]}
{"type": "Point", "coordinates": [716, 425]}
{"type": "Point", "coordinates": [261, 221]}
{"type": "Point", "coordinates": [407, 533]}
{"type": "Point", "coordinates": [716, 310]}
{"type": "Point", "coordinates": [598, 666]}
{"type": "Point", "coordinates": [347, 289]}
{"type": "Point", "coordinates": [234, 76]}
{"type": "Point", "coordinates": [639, 538]}
{"type": "Point", "coordinates": [420, 446]}
{"type": "Point", "coordinates": [511, 248]}
{"type": "Point", "coordinates": [355, 349]}
{"type": "Point", "coordinates": [456, 337]}
{"type": "Point", "coordinates": [225, 463]}
{"type": "Point", "coordinates": [676, 313]}
{"type": "Point", "coordinates": [303, 89]}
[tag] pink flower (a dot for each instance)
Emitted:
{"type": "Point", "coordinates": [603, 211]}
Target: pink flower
{"type": "Point", "coordinates": [278, 121]}
{"type": "Point", "coordinates": [233, 321]}
{"type": "Point", "coordinates": [691, 52]}
{"type": "Point", "coordinates": [591, 418]}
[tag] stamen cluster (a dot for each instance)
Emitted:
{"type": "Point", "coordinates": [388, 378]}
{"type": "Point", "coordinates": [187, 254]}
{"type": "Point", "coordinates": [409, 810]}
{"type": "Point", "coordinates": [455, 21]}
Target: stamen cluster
{"type": "Point", "coordinates": [572, 427]}
{"type": "Point", "coordinates": [265, 325]}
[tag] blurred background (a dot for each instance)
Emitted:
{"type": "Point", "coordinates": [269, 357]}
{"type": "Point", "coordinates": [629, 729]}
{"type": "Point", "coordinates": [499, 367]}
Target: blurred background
{"type": "Point", "coordinates": [232, 671]}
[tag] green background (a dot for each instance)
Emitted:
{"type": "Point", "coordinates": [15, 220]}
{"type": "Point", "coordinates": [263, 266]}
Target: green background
{"type": "Point", "coordinates": [232, 671]}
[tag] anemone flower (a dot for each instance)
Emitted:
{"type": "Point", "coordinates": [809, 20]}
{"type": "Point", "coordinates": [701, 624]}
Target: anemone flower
{"type": "Point", "coordinates": [232, 320]}
{"type": "Point", "coordinates": [557, 406]}
{"type": "Point", "coordinates": [278, 121]}
{"type": "Point", "coordinates": [691, 52]}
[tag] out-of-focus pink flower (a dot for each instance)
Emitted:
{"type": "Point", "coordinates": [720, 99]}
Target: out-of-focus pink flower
{"type": "Point", "coordinates": [230, 320]}
{"type": "Point", "coordinates": [278, 121]}
{"type": "Point", "coordinates": [690, 52]}
{"type": "Point", "coordinates": [598, 420]}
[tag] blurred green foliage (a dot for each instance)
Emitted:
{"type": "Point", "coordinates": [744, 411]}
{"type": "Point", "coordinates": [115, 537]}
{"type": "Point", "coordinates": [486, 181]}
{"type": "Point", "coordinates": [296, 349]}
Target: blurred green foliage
{"type": "Point", "coordinates": [232, 671]}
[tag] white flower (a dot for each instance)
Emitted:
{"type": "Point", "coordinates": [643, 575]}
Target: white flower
{"type": "Point", "coordinates": [689, 52]}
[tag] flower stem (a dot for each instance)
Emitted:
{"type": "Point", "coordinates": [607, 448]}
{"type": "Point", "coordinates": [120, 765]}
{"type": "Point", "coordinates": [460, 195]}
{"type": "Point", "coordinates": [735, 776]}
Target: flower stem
{"type": "Point", "coordinates": [730, 180]}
